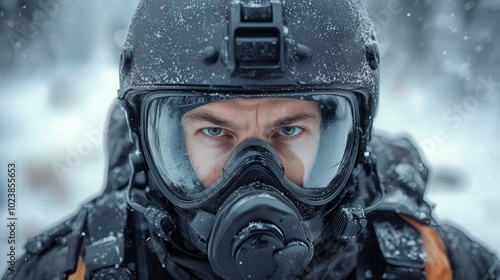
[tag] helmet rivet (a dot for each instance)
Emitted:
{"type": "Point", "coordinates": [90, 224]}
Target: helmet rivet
{"type": "Point", "coordinates": [302, 53]}
{"type": "Point", "coordinates": [209, 55]}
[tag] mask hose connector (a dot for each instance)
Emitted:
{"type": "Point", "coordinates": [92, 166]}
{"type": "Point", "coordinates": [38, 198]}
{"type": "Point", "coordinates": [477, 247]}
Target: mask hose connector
{"type": "Point", "coordinates": [163, 223]}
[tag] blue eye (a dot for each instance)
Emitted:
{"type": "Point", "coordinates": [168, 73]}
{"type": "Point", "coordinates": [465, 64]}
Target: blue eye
{"type": "Point", "coordinates": [289, 131]}
{"type": "Point", "coordinates": [214, 131]}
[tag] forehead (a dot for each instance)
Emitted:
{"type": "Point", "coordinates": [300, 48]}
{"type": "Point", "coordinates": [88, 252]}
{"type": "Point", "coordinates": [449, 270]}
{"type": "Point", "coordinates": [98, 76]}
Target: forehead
{"type": "Point", "coordinates": [263, 105]}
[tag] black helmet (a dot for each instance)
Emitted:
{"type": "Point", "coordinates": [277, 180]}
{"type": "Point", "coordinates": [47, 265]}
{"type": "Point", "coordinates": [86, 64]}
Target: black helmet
{"type": "Point", "coordinates": [291, 45]}
{"type": "Point", "coordinates": [317, 59]}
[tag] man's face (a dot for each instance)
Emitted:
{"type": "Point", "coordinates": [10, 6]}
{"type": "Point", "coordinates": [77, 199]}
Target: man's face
{"type": "Point", "coordinates": [291, 126]}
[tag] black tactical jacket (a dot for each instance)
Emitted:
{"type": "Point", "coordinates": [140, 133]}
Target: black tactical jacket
{"type": "Point", "coordinates": [117, 243]}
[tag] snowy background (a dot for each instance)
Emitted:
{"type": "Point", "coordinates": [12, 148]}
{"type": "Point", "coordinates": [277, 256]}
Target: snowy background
{"type": "Point", "coordinates": [440, 84]}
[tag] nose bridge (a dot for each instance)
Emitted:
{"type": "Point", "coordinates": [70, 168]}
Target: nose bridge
{"type": "Point", "coordinates": [253, 150]}
{"type": "Point", "coordinates": [255, 132]}
{"type": "Point", "coordinates": [250, 146]}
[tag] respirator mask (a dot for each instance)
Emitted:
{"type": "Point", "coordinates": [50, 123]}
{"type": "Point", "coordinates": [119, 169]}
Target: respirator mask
{"type": "Point", "coordinates": [257, 171]}
{"type": "Point", "coordinates": [250, 115]}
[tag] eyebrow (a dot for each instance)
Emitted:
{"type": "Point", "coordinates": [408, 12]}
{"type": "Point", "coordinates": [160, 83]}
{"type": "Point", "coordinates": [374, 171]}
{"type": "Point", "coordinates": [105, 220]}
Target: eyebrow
{"type": "Point", "coordinates": [286, 121]}
{"type": "Point", "coordinates": [208, 117]}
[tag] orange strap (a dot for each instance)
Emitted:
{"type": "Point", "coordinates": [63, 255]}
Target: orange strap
{"type": "Point", "coordinates": [80, 271]}
{"type": "Point", "coordinates": [437, 265]}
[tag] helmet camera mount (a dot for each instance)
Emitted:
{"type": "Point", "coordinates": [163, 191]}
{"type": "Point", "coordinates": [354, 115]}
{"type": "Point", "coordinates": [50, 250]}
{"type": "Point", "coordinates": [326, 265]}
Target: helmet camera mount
{"type": "Point", "coordinates": [255, 39]}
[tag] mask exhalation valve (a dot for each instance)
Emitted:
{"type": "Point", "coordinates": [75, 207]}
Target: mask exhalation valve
{"type": "Point", "coordinates": [259, 235]}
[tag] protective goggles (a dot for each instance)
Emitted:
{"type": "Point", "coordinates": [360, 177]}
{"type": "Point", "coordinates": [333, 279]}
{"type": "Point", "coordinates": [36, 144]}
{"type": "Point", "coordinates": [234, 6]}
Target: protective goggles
{"type": "Point", "coordinates": [189, 139]}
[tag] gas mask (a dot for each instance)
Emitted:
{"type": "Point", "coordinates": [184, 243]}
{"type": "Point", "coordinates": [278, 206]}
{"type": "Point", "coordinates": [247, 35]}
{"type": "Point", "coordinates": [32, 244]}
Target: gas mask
{"type": "Point", "coordinates": [251, 116]}
{"type": "Point", "coordinates": [257, 172]}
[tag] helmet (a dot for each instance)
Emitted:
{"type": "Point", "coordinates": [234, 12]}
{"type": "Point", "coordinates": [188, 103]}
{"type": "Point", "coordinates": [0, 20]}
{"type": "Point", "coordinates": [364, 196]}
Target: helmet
{"type": "Point", "coordinates": [191, 68]}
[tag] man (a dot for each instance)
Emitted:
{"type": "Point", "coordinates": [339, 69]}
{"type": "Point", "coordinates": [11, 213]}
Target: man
{"type": "Point", "coordinates": [252, 157]}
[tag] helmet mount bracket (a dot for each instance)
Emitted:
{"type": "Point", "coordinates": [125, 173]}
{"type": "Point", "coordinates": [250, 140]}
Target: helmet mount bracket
{"type": "Point", "coordinates": [255, 39]}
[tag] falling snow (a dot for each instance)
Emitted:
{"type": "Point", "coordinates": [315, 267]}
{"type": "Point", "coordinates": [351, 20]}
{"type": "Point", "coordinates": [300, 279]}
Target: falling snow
{"type": "Point", "coordinates": [439, 83]}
